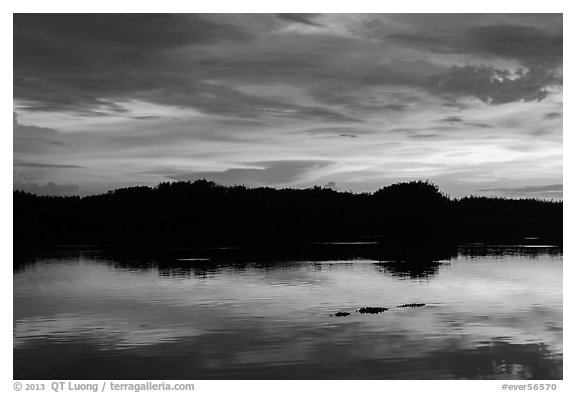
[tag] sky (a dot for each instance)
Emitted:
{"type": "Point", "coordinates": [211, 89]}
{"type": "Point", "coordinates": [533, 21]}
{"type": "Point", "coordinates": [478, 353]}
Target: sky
{"type": "Point", "coordinates": [471, 102]}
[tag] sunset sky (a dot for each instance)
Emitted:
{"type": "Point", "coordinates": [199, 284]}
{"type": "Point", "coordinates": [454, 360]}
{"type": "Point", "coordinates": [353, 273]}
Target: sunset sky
{"type": "Point", "coordinates": [471, 102]}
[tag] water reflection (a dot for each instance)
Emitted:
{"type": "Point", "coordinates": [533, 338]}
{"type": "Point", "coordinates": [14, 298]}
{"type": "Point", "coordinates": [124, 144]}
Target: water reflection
{"type": "Point", "coordinates": [531, 250]}
{"type": "Point", "coordinates": [414, 271]}
{"type": "Point", "coordinates": [416, 262]}
{"type": "Point", "coordinates": [92, 314]}
{"type": "Point", "coordinates": [411, 262]}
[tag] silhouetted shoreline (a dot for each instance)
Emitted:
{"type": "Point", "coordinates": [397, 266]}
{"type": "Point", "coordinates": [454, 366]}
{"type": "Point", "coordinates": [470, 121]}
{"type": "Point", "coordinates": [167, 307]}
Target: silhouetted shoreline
{"type": "Point", "coordinates": [404, 218]}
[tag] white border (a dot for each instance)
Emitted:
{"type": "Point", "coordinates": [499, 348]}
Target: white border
{"type": "Point", "coordinates": [245, 6]}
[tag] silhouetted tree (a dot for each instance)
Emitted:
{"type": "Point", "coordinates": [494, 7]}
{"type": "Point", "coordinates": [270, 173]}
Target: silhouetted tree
{"type": "Point", "coordinates": [403, 215]}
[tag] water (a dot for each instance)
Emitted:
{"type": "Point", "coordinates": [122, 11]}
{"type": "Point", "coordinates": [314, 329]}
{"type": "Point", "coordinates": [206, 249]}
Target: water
{"type": "Point", "coordinates": [488, 313]}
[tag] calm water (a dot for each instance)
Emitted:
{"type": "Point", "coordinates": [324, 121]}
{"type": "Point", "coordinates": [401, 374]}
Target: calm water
{"type": "Point", "coordinates": [489, 313]}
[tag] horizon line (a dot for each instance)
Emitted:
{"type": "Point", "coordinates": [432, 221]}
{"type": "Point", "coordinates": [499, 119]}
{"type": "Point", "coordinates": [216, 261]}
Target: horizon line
{"type": "Point", "coordinates": [296, 188]}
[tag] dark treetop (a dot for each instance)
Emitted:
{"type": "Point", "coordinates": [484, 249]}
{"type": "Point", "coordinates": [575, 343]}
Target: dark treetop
{"type": "Point", "coordinates": [202, 213]}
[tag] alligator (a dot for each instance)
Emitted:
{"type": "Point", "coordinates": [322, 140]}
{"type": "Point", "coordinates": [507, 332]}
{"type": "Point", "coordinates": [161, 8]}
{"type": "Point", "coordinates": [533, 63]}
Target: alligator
{"type": "Point", "coordinates": [341, 314]}
{"type": "Point", "coordinates": [371, 310]}
{"type": "Point", "coordinates": [412, 305]}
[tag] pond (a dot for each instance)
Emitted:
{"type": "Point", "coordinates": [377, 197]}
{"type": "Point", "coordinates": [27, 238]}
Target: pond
{"type": "Point", "coordinates": [481, 313]}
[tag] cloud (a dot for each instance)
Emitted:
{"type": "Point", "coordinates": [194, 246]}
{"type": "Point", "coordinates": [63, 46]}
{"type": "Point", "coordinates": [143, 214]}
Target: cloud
{"type": "Point", "coordinates": [332, 185]}
{"type": "Point", "coordinates": [532, 46]}
{"type": "Point", "coordinates": [339, 131]}
{"type": "Point", "coordinates": [32, 132]}
{"type": "Point", "coordinates": [90, 64]}
{"type": "Point", "coordinates": [266, 172]}
{"type": "Point", "coordinates": [452, 120]}
{"type": "Point", "coordinates": [151, 117]}
{"type": "Point", "coordinates": [553, 115]}
{"type": "Point", "coordinates": [306, 19]}
{"type": "Point", "coordinates": [336, 132]}
{"type": "Point", "coordinates": [554, 191]}
{"type": "Point", "coordinates": [33, 139]}
{"type": "Point", "coordinates": [137, 30]}
{"type": "Point", "coordinates": [27, 164]}
{"type": "Point", "coordinates": [49, 188]}
{"type": "Point", "coordinates": [531, 40]}
{"type": "Point", "coordinates": [459, 121]}
{"type": "Point", "coordinates": [238, 96]}
{"type": "Point", "coordinates": [492, 85]}
{"type": "Point", "coordinates": [533, 52]}
{"type": "Point", "coordinates": [84, 62]}
{"type": "Point", "coordinates": [423, 136]}
{"type": "Point", "coordinates": [394, 107]}
{"type": "Point", "coordinates": [546, 188]}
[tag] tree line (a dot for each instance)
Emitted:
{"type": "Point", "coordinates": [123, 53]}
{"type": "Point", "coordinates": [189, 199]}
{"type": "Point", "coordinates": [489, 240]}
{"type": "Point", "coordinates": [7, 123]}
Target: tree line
{"type": "Point", "coordinates": [203, 213]}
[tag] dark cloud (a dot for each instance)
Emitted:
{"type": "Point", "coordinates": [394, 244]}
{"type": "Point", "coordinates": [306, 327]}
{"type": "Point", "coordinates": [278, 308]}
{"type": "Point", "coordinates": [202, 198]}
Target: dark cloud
{"type": "Point", "coordinates": [338, 131]}
{"type": "Point", "coordinates": [457, 105]}
{"type": "Point", "coordinates": [551, 194]}
{"type": "Point", "coordinates": [265, 172]}
{"type": "Point", "coordinates": [31, 138]}
{"type": "Point", "coordinates": [336, 136]}
{"type": "Point", "coordinates": [21, 130]}
{"type": "Point", "coordinates": [531, 46]}
{"type": "Point", "coordinates": [90, 63]}
{"type": "Point", "coordinates": [305, 19]}
{"type": "Point", "coordinates": [162, 74]}
{"type": "Point", "coordinates": [423, 136]}
{"type": "Point", "coordinates": [493, 85]}
{"type": "Point", "coordinates": [481, 125]}
{"type": "Point", "coordinates": [49, 188]}
{"type": "Point", "coordinates": [149, 117]}
{"type": "Point", "coordinates": [28, 164]}
{"type": "Point", "coordinates": [332, 185]}
{"type": "Point", "coordinates": [457, 120]}
{"type": "Point", "coordinates": [530, 189]}
{"type": "Point", "coordinates": [124, 34]}
{"type": "Point", "coordinates": [553, 115]}
{"type": "Point", "coordinates": [551, 191]}
{"type": "Point", "coordinates": [92, 71]}
{"type": "Point", "coordinates": [538, 50]}
{"type": "Point", "coordinates": [83, 62]}
{"type": "Point", "coordinates": [452, 120]}
{"type": "Point", "coordinates": [154, 91]}
{"type": "Point", "coordinates": [395, 107]}
{"type": "Point", "coordinates": [429, 42]}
